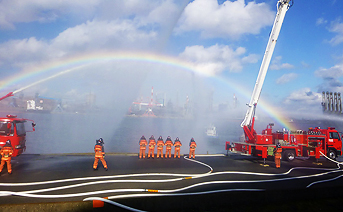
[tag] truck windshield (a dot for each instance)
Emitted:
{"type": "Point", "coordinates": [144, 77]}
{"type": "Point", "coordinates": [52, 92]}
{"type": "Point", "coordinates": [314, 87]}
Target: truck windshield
{"type": "Point", "coordinates": [20, 128]}
{"type": "Point", "coordinates": [4, 130]}
{"type": "Point", "coordinates": [334, 135]}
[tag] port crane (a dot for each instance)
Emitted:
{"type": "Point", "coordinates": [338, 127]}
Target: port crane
{"type": "Point", "coordinates": [248, 122]}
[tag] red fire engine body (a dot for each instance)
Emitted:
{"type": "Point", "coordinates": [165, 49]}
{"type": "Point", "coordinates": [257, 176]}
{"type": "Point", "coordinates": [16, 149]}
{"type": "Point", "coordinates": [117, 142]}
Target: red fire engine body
{"type": "Point", "coordinates": [299, 143]}
{"type": "Point", "coordinates": [294, 144]}
{"type": "Point", "coordinates": [13, 129]}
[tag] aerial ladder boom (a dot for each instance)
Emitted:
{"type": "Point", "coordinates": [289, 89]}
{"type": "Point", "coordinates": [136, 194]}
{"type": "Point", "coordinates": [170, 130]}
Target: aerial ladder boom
{"type": "Point", "coordinates": [248, 122]}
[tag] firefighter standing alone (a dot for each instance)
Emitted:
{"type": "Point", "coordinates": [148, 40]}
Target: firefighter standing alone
{"type": "Point", "coordinates": [192, 146]}
{"type": "Point", "coordinates": [99, 154]}
{"type": "Point", "coordinates": [6, 155]}
{"type": "Point", "coordinates": [277, 155]}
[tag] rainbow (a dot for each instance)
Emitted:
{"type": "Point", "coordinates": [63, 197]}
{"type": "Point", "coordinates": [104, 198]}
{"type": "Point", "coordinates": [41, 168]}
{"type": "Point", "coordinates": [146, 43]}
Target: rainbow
{"type": "Point", "coordinates": [76, 62]}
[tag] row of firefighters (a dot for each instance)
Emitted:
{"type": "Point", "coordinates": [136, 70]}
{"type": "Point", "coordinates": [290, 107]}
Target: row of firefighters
{"type": "Point", "coordinates": [7, 151]}
{"type": "Point", "coordinates": [160, 143]}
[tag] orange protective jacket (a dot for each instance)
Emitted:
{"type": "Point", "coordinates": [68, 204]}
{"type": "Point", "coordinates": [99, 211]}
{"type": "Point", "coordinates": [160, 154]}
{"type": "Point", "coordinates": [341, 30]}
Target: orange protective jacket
{"type": "Point", "coordinates": [99, 151]}
{"type": "Point", "coordinates": [143, 143]}
{"type": "Point", "coordinates": [160, 144]}
{"type": "Point", "coordinates": [6, 153]}
{"type": "Point", "coordinates": [169, 144]}
{"type": "Point", "coordinates": [193, 145]}
{"type": "Point", "coordinates": [277, 152]}
{"type": "Point", "coordinates": [152, 144]}
{"type": "Point", "coordinates": [177, 145]}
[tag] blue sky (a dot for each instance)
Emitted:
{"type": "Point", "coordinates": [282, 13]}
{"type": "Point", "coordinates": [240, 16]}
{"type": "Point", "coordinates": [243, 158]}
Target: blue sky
{"type": "Point", "coordinates": [223, 39]}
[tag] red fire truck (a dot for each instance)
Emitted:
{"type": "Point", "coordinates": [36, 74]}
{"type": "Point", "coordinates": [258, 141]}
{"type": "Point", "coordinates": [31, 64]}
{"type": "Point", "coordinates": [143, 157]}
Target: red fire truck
{"type": "Point", "coordinates": [299, 143]}
{"type": "Point", "coordinates": [13, 128]}
{"type": "Point", "coordinates": [294, 143]}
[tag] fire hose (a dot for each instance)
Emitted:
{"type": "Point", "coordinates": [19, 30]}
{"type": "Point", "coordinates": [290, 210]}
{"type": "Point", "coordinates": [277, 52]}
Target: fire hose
{"type": "Point", "coordinates": [153, 192]}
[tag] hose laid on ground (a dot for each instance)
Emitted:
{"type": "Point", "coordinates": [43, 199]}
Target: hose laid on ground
{"type": "Point", "coordinates": [154, 195]}
{"type": "Point", "coordinates": [327, 180]}
{"type": "Point", "coordinates": [30, 193]}
{"type": "Point", "coordinates": [117, 204]}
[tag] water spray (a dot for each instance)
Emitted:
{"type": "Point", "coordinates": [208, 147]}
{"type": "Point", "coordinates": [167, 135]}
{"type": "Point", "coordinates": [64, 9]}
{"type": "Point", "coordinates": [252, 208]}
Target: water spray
{"type": "Point", "coordinates": [48, 78]}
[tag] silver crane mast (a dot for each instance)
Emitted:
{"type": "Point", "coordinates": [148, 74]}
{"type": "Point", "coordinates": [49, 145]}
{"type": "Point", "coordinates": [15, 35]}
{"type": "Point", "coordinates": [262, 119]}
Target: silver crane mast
{"type": "Point", "coordinates": [282, 7]}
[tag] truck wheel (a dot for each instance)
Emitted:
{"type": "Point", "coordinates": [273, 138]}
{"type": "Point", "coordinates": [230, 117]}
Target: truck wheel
{"type": "Point", "coordinates": [289, 155]}
{"type": "Point", "coordinates": [332, 154]}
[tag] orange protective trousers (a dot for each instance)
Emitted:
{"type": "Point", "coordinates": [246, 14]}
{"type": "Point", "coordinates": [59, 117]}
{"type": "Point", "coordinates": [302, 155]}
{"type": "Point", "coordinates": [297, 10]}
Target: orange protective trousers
{"type": "Point", "coordinates": [191, 152]}
{"type": "Point", "coordinates": [6, 154]}
{"type": "Point", "coordinates": [96, 161]}
{"type": "Point", "coordinates": [177, 152]}
{"type": "Point", "coordinates": [277, 159]}
{"type": "Point", "coordinates": [159, 152]}
{"type": "Point", "coordinates": [151, 151]}
{"type": "Point", "coordinates": [168, 152]}
{"type": "Point", "coordinates": [9, 166]}
{"type": "Point", "coordinates": [142, 152]}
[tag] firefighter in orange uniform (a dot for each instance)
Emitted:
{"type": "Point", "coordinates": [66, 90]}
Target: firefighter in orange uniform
{"type": "Point", "coordinates": [142, 146]}
{"type": "Point", "coordinates": [6, 155]}
{"type": "Point", "coordinates": [152, 144]}
{"type": "Point", "coordinates": [160, 145]}
{"type": "Point", "coordinates": [177, 144]}
{"type": "Point", "coordinates": [169, 144]}
{"type": "Point", "coordinates": [99, 154]}
{"type": "Point", "coordinates": [277, 155]}
{"type": "Point", "coordinates": [192, 146]}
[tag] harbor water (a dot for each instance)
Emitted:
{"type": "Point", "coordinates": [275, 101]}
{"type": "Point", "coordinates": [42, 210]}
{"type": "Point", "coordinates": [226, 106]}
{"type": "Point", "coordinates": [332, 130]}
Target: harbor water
{"type": "Point", "coordinates": [76, 132]}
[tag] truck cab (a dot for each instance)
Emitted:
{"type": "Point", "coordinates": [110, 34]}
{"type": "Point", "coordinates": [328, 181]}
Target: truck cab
{"type": "Point", "coordinates": [13, 129]}
{"type": "Point", "coordinates": [333, 143]}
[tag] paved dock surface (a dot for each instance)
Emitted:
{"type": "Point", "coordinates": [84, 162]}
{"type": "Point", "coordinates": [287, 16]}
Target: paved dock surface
{"type": "Point", "coordinates": [208, 183]}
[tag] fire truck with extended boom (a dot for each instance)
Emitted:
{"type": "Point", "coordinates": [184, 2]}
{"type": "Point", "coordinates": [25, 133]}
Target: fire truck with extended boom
{"type": "Point", "coordinates": [13, 128]}
{"type": "Point", "coordinates": [313, 142]}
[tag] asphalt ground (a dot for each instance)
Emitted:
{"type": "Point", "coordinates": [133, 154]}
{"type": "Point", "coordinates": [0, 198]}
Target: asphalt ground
{"type": "Point", "coordinates": [237, 183]}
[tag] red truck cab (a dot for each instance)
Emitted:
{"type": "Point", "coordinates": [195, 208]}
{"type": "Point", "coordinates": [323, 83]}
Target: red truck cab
{"type": "Point", "coordinates": [13, 129]}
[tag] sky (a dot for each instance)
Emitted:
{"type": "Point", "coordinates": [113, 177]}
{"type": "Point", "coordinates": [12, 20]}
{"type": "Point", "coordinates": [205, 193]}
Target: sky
{"type": "Point", "coordinates": [207, 50]}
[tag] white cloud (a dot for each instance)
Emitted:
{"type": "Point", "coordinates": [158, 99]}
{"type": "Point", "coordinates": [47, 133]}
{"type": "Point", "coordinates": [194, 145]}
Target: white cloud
{"type": "Point", "coordinates": [104, 35]}
{"type": "Point", "coordinates": [305, 97]}
{"type": "Point", "coordinates": [19, 52]}
{"type": "Point", "coordinates": [90, 36]}
{"type": "Point", "coordinates": [131, 24]}
{"type": "Point", "coordinates": [217, 58]}
{"type": "Point", "coordinates": [277, 65]}
{"type": "Point", "coordinates": [333, 72]}
{"type": "Point", "coordinates": [230, 19]}
{"type": "Point", "coordinates": [336, 27]}
{"type": "Point", "coordinates": [286, 78]}
{"type": "Point", "coordinates": [321, 21]}
{"type": "Point", "coordinates": [17, 11]}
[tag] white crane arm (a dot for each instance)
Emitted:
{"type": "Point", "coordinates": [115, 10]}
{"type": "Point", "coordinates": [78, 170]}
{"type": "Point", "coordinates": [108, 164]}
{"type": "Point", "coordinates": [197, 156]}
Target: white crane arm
{"type": "Point", "coordinates": [282, 7]}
